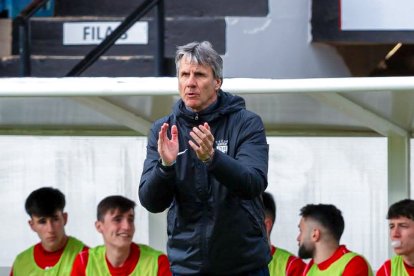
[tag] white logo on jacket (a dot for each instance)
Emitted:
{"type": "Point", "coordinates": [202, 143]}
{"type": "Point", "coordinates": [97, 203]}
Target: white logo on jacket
{"type": "Point", "coordinates": [221, 145]}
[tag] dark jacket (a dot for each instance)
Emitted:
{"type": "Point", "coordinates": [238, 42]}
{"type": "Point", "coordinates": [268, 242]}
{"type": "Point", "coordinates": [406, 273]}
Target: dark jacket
{"type": "Point", "coordinates": [215, 216]}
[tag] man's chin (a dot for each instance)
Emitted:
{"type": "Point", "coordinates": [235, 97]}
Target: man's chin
{"type": "Point", "coordinates": [51, 246]}
{"type": "Point", "coordinates": [399, 251]}
{"type": "Point", "coordinates": [304, 253]}
{"type": "Point", "coordinates": [192, 103]}
{"type": "Point", "coordinates": [125, 241]}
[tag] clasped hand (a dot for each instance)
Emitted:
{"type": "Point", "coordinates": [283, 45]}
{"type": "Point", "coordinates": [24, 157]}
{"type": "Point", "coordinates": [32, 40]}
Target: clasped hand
{"type": "Point", "coordinates": [202, 143]}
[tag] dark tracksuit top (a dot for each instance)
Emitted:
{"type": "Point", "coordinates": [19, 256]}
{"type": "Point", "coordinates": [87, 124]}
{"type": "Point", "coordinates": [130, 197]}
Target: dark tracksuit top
{"type": "Point", "coordinates": [215, 216]}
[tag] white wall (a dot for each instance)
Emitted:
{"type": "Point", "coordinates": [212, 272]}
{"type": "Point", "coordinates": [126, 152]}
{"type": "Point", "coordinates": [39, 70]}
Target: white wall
{"type": "Point", "coordinates": [278, 46]}
{"type": "Point", "coordinates": [348, 172]}
{"type": "Point", "coordinates": [85, 169]}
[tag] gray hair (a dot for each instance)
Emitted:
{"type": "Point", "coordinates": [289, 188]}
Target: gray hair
{"type": "Point", "coordinates": [201, 53]}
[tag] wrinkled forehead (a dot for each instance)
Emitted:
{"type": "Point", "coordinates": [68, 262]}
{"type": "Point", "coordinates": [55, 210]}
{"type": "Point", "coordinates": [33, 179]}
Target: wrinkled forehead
{"type": "Point", "coordinates": [190, 58]}
{"type": "Point", "coordinates": [188, 63]}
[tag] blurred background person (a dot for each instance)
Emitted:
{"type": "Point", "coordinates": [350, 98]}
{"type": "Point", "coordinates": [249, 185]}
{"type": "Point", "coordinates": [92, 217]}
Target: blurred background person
{"type": "Point", "coordinates": [283, 262]}
{"type": "Point", "coordinates": [401, 226]}
{"type": "Point", "coordinates": [56, 251]}
{"type": "Point", "coordinates": [119, 255]}
{"type": "Point", "coordinates": [320, 230]}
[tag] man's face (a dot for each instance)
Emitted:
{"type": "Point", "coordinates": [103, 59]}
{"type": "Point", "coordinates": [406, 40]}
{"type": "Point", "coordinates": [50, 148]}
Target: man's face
{"type": "Point", "coordinates": [306, 245]}
{"type": "Point", "coordinates": [197, 85]}
{"type": "Point", "coordinates": [402, 233]}
{"type": "Point", "coordinates": [51, 230]}
{"type": "Point", "coordinates": [117, 228]}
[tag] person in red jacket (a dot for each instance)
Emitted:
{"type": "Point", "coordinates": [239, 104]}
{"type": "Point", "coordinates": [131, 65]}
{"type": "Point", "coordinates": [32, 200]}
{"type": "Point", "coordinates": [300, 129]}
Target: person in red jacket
{"type": "Point", "coordinates": [320, 230]}
{"type": "Point", "coordinates": [401, 223]}
{"type": "Point", "coordinates": [56, 251]}
{"type": "Point", "coordinates": [119, 255]}
{"type": "Point", "coordinates": [283, 262]}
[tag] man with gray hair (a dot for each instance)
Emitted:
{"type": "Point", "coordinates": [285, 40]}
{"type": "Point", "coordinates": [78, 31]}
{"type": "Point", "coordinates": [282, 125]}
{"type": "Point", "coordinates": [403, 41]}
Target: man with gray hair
{"type": "Point", "coordinates": [207, 162]}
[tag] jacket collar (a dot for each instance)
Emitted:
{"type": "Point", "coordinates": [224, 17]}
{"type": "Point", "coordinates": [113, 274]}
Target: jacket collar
{"type": "Point", "coordinates": [226, 103]}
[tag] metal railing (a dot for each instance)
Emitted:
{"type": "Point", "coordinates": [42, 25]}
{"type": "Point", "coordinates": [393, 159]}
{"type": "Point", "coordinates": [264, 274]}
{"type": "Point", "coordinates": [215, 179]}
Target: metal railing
{"type": "Point", "coordinates": [23, 23]}
{"type": "Point", "coordinates": [107, 43]}
{"type": "Point", "coordinates": [24, 37]}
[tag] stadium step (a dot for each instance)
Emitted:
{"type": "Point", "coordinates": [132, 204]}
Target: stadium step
{"type": "Point", "coordinates": [175, 8]}
{"type": "Point", "coordinates": [58, 43]}
{"type": "Point", "coordinates": [59, 66]}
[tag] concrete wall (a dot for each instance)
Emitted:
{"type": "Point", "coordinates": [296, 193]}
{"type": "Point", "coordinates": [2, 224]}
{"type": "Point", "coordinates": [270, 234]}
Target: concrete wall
{"type": "Point", "coordinates": [4, 271]}
{"type": "Point", "coordinates": [279, 45]}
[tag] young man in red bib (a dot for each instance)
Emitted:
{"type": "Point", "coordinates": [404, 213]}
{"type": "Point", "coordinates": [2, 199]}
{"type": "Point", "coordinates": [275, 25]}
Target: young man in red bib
{"type": "Point", "coordinates": [55, 253]}
{"type": "Point", "coordinates": [401, 222]}
{"type": "Point", "coordinates": [320, 230]}
{"type": "Point", "coordinates": [119, 255]}
{"type": "Point", "coordinates": [283, 262]}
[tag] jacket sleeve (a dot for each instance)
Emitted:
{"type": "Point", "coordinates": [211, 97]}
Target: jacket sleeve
{"type": "Point", "coordinates": [156, 185]}
{"type": "Point", "coordinates": [246, 173]}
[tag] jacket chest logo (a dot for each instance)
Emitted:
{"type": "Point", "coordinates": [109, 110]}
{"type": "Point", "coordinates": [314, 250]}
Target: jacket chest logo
{"type": "Point", "coordinates": [222, 146]}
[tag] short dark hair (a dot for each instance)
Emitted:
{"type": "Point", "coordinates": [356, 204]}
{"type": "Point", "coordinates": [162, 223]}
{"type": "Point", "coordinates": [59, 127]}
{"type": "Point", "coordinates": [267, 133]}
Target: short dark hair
{"type": "Point", "coordinates": [328, 216]}
{"type": "Point", "coordinates": [115, 202]}
{"type": "Point", "coordinates": [402, 208]}
{"type": "Point", "coordinates": [269, 206]}
{"type": "Point", "coordinates": [44, 202]}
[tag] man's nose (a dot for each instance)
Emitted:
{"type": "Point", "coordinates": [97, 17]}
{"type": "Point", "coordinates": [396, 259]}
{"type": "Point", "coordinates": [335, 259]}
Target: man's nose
{"type": "Point", "coordinates": [49, 226]}
{"type": "Point", "coordinates": [191, 80]}
{"type": "Point", "coordinates": [127, 224]}
{"type": "Point", "coordinates": [395, 232]}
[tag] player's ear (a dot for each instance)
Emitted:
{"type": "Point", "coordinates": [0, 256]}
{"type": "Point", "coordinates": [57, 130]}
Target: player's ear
{"type": "Point", "coordinates": [65, 217]}
{"type": "Point", "coordinates": [98, 226]}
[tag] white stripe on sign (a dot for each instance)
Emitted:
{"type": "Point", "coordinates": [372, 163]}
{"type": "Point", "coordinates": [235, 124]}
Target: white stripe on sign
{"type": "Point", "coordinates": [92, 33]}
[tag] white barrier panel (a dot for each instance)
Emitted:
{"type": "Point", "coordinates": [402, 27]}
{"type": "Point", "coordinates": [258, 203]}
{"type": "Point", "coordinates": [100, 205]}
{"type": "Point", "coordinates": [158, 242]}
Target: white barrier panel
{"type": "Point", "coordinates": [58, 87]}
